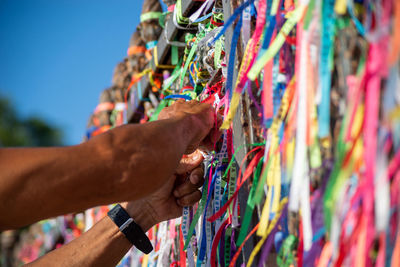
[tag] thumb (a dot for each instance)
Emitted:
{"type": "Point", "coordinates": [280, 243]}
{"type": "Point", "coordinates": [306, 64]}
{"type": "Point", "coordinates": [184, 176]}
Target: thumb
{"type": "Point", "coordinates": [189, 162]}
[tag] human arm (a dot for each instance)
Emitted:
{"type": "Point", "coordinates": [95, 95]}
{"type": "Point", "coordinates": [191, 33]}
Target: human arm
{"type": "Point", "coordinates": [38, 183]}
{"type": "Point", "coordinates": [105, 245]}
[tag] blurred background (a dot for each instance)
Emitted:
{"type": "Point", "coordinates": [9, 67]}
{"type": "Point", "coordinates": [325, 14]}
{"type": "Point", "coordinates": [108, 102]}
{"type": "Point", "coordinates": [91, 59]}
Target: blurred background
{"type": "Point", "coordinates": [55, 59]}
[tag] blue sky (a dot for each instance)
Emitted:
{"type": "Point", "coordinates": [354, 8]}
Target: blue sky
{"type": "Point", "coordinates": [57, 56]}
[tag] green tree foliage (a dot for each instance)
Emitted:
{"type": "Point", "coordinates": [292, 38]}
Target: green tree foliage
{"type": "Point", "coordinates": [33, 131]}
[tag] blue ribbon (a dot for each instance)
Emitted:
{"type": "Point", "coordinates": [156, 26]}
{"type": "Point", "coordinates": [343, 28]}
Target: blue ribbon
{"type": "Point", "coordinates": [268, 35]}
{"type": "Point", "coordinates": [186, 97]}
{"type": "Point", "coordinates": [357, 23]}
{"type": "Point", "coordinates": [151, 44]}
{"type": "Point", "coordinates": [203, 17]}
{"type": "Point", "coordinates": [203, 245]}
{"type": "Point", "coordinates": [238, 11]}
{"type": "Point", "coordinates": [232, 52]}
{"type": "Point", "coordinates": [191, 78]}
{"type": "Point", "coordinates": [328, 19]}
{"type": "Point", "coordinates": [89, 131]}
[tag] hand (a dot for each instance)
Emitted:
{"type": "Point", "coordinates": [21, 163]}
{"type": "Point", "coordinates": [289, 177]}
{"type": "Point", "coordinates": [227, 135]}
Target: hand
{"type": "Point", "coordinates": [203, 121]}
{"type": "Point", "coordinates": [166, 203]}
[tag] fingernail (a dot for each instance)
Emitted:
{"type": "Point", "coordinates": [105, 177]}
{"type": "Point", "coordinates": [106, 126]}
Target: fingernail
{"type": "Point", "coordinates": [196, 156]}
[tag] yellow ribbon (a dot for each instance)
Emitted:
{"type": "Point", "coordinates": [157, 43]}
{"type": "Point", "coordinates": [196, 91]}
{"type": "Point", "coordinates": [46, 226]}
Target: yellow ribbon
{"type": "Point", "coordinates": [155, 60]}
{"type": "Point", "coordinates": [145, 260]}
{"type": "Point", "coordinates": [340, 7]}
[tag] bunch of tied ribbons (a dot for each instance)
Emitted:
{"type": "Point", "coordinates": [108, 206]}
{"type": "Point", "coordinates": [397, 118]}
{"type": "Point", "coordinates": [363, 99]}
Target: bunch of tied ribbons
{"type": "Point", "coordinates": [323, 79]}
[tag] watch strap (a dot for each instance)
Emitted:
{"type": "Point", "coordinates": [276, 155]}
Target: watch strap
{"type": "Point", "coordinates": [132, 231]}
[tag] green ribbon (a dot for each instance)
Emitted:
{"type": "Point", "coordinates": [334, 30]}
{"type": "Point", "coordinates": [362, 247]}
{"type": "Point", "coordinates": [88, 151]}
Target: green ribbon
{"type": "Point", "coordinates": [179, 16]}
{"type": "Point", "coordinates": [161, 19]}
{"type": "Point", "coordinates": [250, 204]}
{"type": "Point", "coordinates": [198, 89]}
{"type": "Point", "coordinates": [150, 15]}
{"type": "Point", "coordinates": [188, 59]}
{"type": "Point", "coordinates": [315, 155]}
{"type": "Point", "coordinates": [171, 79]}
{"type": "Point", "coordinates": [309, 14]}
{"type": "Point", "coordinates": [162, 105]}
{"type": "Point", "coordinates": [259, 190]}
{"type": "Point", "coordinates": [217, 53]}
{"type": "Point", "coordinates": [174, 55]}
{"type": "Point", "coordinates": [285, 256]}
{"type": "Point", "coordinates": [227, 249]}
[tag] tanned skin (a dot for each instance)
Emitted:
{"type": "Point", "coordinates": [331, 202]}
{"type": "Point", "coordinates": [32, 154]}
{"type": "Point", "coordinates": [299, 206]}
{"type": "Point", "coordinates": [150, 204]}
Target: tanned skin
{"type": "Point", "coordinates": [140, 165]}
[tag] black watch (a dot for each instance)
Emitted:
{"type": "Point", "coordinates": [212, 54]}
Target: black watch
{"type": "Point", "coordinates": [130, 229]}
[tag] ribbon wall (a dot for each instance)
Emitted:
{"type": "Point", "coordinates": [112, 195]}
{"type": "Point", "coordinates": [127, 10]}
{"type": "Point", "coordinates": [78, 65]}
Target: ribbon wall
{"type": "Point", "coordinates": [307, 171]}
{"type": "Point", "coordinates": [319, 84]}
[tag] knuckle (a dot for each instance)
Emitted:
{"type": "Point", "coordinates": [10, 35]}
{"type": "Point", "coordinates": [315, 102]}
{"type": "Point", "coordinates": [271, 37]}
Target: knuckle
{"type": "Point", "coordinates": [181, 190]}
{"type": "Point", "coordinates": [184, 201]}
{"type": "Point", "coordinates": [178, 191]}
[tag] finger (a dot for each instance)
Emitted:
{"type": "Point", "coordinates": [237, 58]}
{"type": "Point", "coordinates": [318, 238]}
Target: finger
{"type": "Point", "coordinates": [213, 136]}
{"type": "Point", "coordinates": [192, 148]}
{"type": "Point", "coordinates": [189, 162]}
{"type": "Point", "coordinates": [184, 189]}
{"type": "Point", "coordinates": [187, 188]}
{"type": "Point", "coordinates": [189, 200]}
{"type": "Point", "coordinates": [207, 144]}
{"type": "Point", "coordinates": [180, 179]}
{"type": "Point", "coordinates": [196, 176]}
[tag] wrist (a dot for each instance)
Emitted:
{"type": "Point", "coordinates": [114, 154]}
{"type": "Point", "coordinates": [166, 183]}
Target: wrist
{"type": "Point", "coordinates": [139, 213]}
{"type": "Point", "coordinates": [130, 228]}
